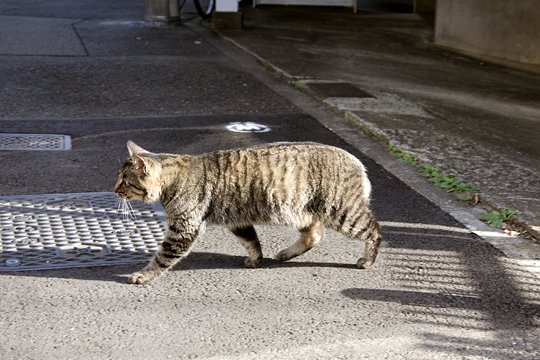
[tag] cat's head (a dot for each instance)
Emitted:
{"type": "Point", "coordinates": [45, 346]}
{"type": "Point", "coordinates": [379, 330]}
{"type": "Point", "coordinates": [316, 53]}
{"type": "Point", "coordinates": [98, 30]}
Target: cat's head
{"type": "Point", "coordinates": [139, 177]}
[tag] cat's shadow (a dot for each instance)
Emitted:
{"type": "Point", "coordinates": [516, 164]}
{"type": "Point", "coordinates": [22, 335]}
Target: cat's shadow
{"type": "Point", "coordinates": [208, 260]}
{"type": "Point", "coordinates": [194, 261]}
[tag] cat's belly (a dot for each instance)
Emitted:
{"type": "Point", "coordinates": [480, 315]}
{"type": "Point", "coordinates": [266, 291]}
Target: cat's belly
{"type": "Point", "coordinates": [259, 216]}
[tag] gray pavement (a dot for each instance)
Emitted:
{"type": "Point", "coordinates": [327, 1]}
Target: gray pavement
{"type": "Point", "coordinates": [439, 291]}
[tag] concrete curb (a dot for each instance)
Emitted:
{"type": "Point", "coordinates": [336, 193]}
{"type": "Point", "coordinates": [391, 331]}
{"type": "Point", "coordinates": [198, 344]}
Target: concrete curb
{"type": "Point", "coordinates": [348, 126]}
{"type": "Point", "coordinates": [487, 203]}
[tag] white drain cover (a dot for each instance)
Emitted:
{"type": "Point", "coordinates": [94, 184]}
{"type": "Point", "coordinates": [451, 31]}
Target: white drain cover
{"type": "Point", "coordinates": [34, 142]}
{"type": "Point", "coordinates": [75, 230]}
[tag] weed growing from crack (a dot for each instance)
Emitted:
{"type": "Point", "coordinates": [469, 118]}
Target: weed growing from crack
{"type": "Point", "coordinates": [407, 158]}
{"type": "Point", "coordinates": [496, 218]}
{"type": "Point", "coordinates": [451, 183]}
{"type": "Point", "coordinates": [446, 181]}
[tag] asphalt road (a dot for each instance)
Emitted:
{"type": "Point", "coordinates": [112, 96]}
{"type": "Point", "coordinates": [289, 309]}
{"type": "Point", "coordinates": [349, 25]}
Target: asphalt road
{"type": "Point", "coordinates": [437, 292]}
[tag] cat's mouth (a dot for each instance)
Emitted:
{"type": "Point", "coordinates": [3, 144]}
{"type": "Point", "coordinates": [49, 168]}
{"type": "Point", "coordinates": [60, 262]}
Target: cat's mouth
{"type": "Point", "coordinates": [122, 195]}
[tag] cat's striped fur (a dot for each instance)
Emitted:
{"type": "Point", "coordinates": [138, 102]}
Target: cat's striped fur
{"type": "Point", "coordinates": [304, 185]}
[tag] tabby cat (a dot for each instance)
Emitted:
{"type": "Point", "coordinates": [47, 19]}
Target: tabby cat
{"type": "Point", "coordinates": [304, 185]}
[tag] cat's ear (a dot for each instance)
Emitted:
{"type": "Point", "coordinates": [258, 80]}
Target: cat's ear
{"type": "Point", "coordinates": [143, 159]}
{"type": "Point", "coordinates": [135, 149]}
{"type": "Point", "coordinates": [145, 163]}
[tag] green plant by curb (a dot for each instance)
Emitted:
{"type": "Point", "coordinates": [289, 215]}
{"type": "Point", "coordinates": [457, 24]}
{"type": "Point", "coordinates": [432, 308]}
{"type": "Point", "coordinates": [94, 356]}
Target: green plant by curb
{"type": "Point", "coordinates": [453, 184]}
{"type": "Point", "coordinates": [446, 181]}
{"type": "Point", "coordinates": [496, 218]}
{"type": "Point", "coordinates": [407, 158]}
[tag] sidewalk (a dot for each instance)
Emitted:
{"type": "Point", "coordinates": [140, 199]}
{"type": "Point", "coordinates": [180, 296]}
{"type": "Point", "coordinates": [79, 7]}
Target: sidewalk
{"type": "Point", "coordinates": [478, 121]}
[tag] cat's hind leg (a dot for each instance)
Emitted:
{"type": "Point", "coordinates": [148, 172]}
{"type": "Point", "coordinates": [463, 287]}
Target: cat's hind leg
{"type": "Point", "coordinates": [249, 240]}
{"type": "Point", "coordinates": [362, 226]}
{"type": "Point", "coordinates": [309, 237]}
{"type": "Point", "coordinates": [371, 235]}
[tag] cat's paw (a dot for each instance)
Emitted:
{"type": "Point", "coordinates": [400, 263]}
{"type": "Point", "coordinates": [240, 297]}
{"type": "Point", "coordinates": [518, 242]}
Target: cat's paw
{"type": "Point", "coordinates": [364, 263]}
{"type": "Point", "coordinates": [252, 263]}
{"type": "Point", "coordinates": [144, 277]}
{"type": "Point", "coordinates": [284, 255]}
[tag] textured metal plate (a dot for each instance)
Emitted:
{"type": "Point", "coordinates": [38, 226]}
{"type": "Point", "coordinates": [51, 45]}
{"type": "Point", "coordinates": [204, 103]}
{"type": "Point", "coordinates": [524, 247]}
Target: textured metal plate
{"type": "Point", "coordinates": [75, 230]}
{"type": "Point", "coordinates": [34, 142]}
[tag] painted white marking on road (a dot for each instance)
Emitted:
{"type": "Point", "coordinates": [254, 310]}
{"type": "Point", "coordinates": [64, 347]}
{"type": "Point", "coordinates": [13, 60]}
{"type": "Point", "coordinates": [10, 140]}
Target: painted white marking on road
{"type": "Point", "coordinates": [247, 127]}
{"type": "Point", "coordinates": [396, 224]}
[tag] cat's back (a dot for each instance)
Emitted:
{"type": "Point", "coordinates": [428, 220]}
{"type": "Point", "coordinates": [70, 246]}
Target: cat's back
{"type": "Point", "coordinates": [281, 149]}
{"type": "Point", "coordinates": [287, 163]}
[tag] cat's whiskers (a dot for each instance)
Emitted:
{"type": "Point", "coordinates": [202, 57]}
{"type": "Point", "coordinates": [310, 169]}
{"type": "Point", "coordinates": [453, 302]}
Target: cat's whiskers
{"type": "Point", "coordinates": [119, 204]}
{"type": "Point", "coordinates": [125, 207]}
{"type": "Point", "coordinates": [130, 212]}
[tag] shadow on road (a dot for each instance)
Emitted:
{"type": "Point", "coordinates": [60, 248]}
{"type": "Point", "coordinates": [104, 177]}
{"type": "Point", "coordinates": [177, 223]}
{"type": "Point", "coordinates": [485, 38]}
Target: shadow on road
{"type": "Point", "coordinates": [462, 284]}
{"type": "Point", "coordinates": [442, 280]}
{"type": "Point", "coordinates": [194, 261]}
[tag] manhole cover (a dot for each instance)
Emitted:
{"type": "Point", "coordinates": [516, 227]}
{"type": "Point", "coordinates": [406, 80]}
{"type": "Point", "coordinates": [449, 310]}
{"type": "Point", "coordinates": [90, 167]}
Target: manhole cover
{"type": "Point", "coordinates": [34, 142]}
{"type": "Point", "coordinates": [75, 230]}
{"type": "Point", "coordinates": [247, 127]}
{"type": "Point", "coordinates": [337, 89]}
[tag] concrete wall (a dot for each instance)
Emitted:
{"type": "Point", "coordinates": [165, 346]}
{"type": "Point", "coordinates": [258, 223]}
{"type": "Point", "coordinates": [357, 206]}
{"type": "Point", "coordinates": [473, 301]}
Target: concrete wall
{"type": "Point", "coordinates": [507, 30]}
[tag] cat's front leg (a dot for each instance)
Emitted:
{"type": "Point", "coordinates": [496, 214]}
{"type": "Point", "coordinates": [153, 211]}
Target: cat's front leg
{"type": "Point", "coordinates": [177, 242]}
{"type": "Point", "coordinates": [248, 238]}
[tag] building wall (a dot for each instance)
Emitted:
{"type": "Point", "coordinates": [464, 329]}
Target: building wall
{"type": "Point", "coordinates": [424, 6]}
{"type": "Point", "coordinates": [507, 30]}
{"type": "Point", "coordinates": [386, 5]}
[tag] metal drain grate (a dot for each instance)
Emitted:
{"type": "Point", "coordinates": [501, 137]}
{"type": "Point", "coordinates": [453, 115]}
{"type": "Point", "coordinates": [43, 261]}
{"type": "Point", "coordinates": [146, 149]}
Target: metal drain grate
{"type": "Point", "coordinates": [338, 89]}
{"type": "Point", "coordinates": [75, 230]}
{"type": "Point", "coordinates": [34, 142]}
